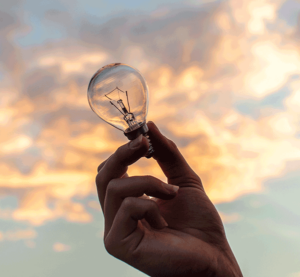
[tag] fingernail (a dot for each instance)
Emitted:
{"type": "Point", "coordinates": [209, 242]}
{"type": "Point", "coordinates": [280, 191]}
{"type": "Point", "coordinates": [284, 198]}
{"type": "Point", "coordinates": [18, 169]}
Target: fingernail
{"type": "Point", "coordinates": [171, 188]}
{"type": "Point", "coordinates": [163, 222]}
{"type": "Point", "coordinates": [136, 142]}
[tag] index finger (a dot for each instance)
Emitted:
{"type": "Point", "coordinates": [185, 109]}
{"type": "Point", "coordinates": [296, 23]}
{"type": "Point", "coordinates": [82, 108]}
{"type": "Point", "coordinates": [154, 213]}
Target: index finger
{"type": "Point", "coordinates": [169, 158]}
{"type": "Point", "coordinates": [117, 164]}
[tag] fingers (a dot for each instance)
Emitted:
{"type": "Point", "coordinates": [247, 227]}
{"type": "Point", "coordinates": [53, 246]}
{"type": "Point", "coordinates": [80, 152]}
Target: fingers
{"type": "Point", "coordinates": [116, 165]}
{"type": "Point", "coordinates": [120, 189]}
{"type": "Point", "coordinates": [126, 221]}
{"type": "Point", "coordinates": [170, 159]}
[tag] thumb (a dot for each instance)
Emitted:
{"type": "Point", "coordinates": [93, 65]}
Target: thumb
{"type": "Point", "coordinates": [117, 164]}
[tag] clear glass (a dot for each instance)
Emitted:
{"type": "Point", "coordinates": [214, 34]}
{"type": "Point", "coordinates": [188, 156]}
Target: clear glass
{"type": "Point", "coordinates": [118, 94]}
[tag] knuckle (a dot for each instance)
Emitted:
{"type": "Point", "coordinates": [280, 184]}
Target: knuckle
{"type": "Point", "coordinates": [149, 179]}
{"type": "Point", "coordinates": [198, 179]}
{"type": "Point", "coordinates": [136, 254]}
{"type": "Point", "coordinates": [172, 144]}
{"type": "Point", "coordinates": [100, 166]}
{"type": "Point", "coordinates": [112, 187]}
{"type": "Point", "coordinates": [152, 206]}
{"type": "Point", "coordinates": [119, 155]}
{"type": "Point", "coordinates": [118, 152]}
{"type": "Point", "coordinates": [98, 179]}
{"type": "Point", "coordinates": [110, 247]}
{"type": "Point", "coordinates": [152, 183]}
{"type": "Point", "coordinates": [194, 178]}
{"type": "Point", "coordinates": [128, 202]}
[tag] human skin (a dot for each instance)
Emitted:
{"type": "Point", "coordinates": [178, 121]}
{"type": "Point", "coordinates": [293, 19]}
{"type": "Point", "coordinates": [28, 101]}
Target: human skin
{"type": "Point", "coordinates": [178, 232]}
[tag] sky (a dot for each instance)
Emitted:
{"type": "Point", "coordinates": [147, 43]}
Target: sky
{"type": "Point", "coordinates": [223, 80]}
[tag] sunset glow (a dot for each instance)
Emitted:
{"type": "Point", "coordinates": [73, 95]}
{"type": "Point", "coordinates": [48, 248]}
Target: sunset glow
{"type": "Point", "coordinates": [223, 80]}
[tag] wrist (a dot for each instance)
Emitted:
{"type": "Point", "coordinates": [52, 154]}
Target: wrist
{"type": "Point", "coordinates": [231, 264]}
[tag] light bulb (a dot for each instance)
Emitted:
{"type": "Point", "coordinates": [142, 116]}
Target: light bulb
{"type": "Point", "coordinates": [118, 94]}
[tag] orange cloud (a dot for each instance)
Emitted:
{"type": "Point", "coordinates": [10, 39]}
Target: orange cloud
{"type": "Point", "coordinates": [230, 218]}
{"type": "Point", "coordinates": [30, 243]}
{"type": "Point", "coordinates": [260, 12]}
{"type": "Point", "coordinates": [26, 234]}
{"type": "Point", "coordinates": [34, 208]}
{"type": "Point", "coordinates": [51, 142]}
{"type": "Point", "coordinates": [16, 144]}
{"type": "Point", "coordinates": [272, 66]}
{"type": "Point", "coordinates": [60, 247]}
{"type": "Point", "coordinates": [94, 205]}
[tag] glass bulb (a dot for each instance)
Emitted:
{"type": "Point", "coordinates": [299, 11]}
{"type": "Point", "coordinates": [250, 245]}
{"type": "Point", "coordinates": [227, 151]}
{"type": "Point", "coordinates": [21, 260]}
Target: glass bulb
{"type": "Point", "coordinates": [118, 94]}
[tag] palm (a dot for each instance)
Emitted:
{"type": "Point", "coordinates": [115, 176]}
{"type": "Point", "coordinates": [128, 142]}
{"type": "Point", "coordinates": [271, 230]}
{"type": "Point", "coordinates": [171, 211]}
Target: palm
{"type": "Point", "coordinates": [189, 234]}
{"type": "Point", "coordinates": [192, 212]}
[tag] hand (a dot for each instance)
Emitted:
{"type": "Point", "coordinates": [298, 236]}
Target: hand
{"type": "Point", "coordinates": [193, 243]}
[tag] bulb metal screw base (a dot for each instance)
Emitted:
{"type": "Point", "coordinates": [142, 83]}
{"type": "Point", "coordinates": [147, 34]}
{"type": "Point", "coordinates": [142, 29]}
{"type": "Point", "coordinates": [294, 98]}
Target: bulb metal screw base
{"type": "Point", "coordinates": [142, 130]}
{"type": "Point", "coordinates": [150, 150]}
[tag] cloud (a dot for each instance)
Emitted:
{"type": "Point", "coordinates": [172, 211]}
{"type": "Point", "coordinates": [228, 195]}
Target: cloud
{"type": "Point", "coordinates": [199, 62]}
{"type": "Point", "coordinates": [30, 244]}
{"type": "Point", "coordinates": [273, 67]}
{"type": "Point", "coordinates": [23, 234]}
{"type": "Point", "coordinates": [34, 207]}
{"type": "Point", "coordinates": [60, 247]}
{"type": "Point", "coordinates": [17, 144]}
{"type": "Point", "coordinates": [268, 223]}
{"type": "Point", "coordinates": [260, 13]}
{"type": "Point", "coordinates": [94, 205]}
{"type": "Point", "coordinates": [229, 218]}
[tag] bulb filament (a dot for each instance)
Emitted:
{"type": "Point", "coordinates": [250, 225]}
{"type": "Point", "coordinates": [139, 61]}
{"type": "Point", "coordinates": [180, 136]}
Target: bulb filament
{"type": "Point", "coordinates": [128, 116]}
